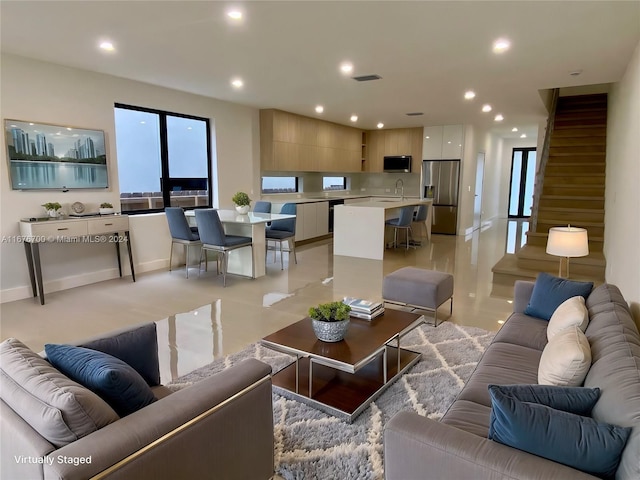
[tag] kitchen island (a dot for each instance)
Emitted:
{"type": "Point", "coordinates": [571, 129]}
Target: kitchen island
{"type": "Point", "coordinates": [359, 228]}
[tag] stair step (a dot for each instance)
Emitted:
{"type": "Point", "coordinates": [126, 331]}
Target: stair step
{"type": "Point", "coordinates": [579, 122]}
{"type": "Point", "coordinates": [578, 101]}
{"type": "Point", "coordinates": [532, 252]}
{"type": "Point", "coordinates": [540, 239]}
{"type": "Point", "coordinates": [572, 159]}
{"type": "Point", "coordinates": [507, 271]}
{"type": "Point", "coordinates": [582, 131]}
{"type": "Point", "coordinates": [581, 114]}
{"type": "Point", "coordinates": [569, 210]}
{"type": "Point", "coordinates": [578, 149]}
{"type": "Point", "coordinates": [568, 141]}
{"type": "Point", "coordinates": [567, 201]}
{"type": "Point", "coordinates": [580, 179]}
{"type": "Point", "coordinates": [574, 168]}
{"type": "Point", "coordinates": [583, 156]}
{"type": "Point", "coordinates": [577, 190]}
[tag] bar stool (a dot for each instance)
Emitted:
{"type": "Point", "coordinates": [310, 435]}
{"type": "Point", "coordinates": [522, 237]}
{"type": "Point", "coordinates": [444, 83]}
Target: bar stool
{"type": "Point", "coordinates": [283, 231]}
{"type": "Point", "coordinates": [402, 223]}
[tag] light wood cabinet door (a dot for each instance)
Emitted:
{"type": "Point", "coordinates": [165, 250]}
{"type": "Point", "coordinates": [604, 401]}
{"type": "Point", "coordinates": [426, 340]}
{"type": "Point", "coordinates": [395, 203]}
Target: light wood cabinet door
{"type": "Point", "coordinates": [322, 218]}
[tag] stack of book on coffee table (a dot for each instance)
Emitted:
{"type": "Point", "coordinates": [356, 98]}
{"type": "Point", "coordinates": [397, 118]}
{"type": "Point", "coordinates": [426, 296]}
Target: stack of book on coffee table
{"type": "Point", "coordinates": [365, 309]}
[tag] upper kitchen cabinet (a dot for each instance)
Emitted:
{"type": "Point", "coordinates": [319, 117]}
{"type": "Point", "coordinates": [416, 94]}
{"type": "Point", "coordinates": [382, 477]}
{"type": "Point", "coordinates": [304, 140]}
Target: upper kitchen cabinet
{"type": "Point", "coordinates": [396, 141]}
{"type": "Point", "coordinates": [290, 142]}
{"type": "Point", "coordinates": [442, 142]}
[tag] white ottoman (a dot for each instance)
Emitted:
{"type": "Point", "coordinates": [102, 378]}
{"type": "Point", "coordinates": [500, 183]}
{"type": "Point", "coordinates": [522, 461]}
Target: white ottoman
{"type": "Point", "coordinates": [419, 289]}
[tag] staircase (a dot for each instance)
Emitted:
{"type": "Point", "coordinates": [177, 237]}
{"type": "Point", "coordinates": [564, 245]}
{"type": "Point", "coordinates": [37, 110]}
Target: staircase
{"type": "Point", "coordinates": [572, 193]}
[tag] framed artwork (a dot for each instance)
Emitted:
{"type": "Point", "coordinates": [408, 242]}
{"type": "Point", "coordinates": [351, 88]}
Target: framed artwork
{"type": "Point", "coordinates": [46, 156]}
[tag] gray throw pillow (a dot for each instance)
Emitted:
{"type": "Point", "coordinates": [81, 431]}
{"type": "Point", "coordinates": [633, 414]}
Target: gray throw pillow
{"type": "Point", "coordinates": [59, 409]}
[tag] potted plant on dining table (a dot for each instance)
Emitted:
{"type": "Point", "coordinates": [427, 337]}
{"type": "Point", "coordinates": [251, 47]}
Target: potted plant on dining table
{"type": "Point", "coordinates": [330, 321]}
{"type": "Point", "coordinates": [242, 202]}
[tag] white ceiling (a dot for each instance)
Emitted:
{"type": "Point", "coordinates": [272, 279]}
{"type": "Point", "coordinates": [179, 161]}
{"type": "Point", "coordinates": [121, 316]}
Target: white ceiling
{"type": "Point", "coordinates": [288, 53]}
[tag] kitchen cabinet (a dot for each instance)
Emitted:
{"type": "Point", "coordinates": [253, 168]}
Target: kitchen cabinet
{"type": "Point", "coordinates": [314, 220]}
{"type": "Point", "coordinates": [397, 141]}
{"type": "Point", "coordinates": [292, 143]}
{"type": "Point", "coordinates": [444, 142]}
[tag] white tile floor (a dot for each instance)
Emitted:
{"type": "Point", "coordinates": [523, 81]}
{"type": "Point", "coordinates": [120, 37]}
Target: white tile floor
{"type": "Point", "coordinates": [199, 321]}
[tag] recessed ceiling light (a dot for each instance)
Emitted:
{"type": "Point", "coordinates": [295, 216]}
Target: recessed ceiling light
{"type": "Point", "coordinates": [514, 129]}
{"type": "Point", "coordinates": [237, 82]}
{"type": "Point", "coordinates": [346, 68]}
{"type": "Point", "coordinates": [427, 137]}
{"type": "Point", "coordinates": [501, 45]}
{"type": "Point", "coordinates": [486, 108]}
{"type": "Point", "coordinates": [319, 109]}
{"type": "Point", "coordinates": [107, 46]}
{"type": "Point", "coordinates": [142, 122]}
{"type": "Point", "coordinates": [354, 118]}
{"type": "Point", "coordinates": [380, 125]}
{"type": "Point", "coordinates": [234, 14]}
{"type": "Point", "coordinates": [498, 118]}
{"type": "Point", "coordinates": [524, 135]}
{"type": "Point", "coordinates": [449, 143]}
{"type": "Point", "coordinates": [469, 94]}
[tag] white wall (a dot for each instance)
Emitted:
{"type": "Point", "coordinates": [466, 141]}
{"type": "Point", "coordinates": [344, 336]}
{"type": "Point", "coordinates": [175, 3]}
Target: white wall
{"type": "Point", "coordinates": [48, 93]}
{"type": "Point", "coordinates": [622, 192]}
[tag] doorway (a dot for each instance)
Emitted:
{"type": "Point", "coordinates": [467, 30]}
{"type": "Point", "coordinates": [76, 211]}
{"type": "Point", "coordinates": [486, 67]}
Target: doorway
{"type": "Point", "coordinates": [477, 199]}
{"type": "Point", "coordinates": [523, 175]}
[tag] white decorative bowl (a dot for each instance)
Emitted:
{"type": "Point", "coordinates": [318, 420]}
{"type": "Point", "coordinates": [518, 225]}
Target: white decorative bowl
{"type": "Point", "coordinates": [242, 210]}
{"type": "Point", "coordinates": [106, 211]}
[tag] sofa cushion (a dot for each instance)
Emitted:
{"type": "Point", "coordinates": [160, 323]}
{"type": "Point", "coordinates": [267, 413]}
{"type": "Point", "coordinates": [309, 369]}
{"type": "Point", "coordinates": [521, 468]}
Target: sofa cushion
{"type": "Point", "coordinates": [58, 408]}
{"type": "Point", "coordinates": [603, 297]}
{"type": "Point", "coordinates": [137, 347]}
{"type": "Point", "coordinates": [576, 400]}
{"type": "Point", "coordinates": [468, 416]}
{"type": "Point", "coordinates": [566, 359]}
{"type": "Point", "coordinates": [502, 363]}
{"type": "Point", "coordinates": [570, 312]}
{"type": "Point", "coordinates": [521, 329]}
{"type": "Point", "coordinates": [573, 440]}
{"type": "Point", "coordinates": [116, 382]}
{"type": "Point", "coordinates": [549, 292]}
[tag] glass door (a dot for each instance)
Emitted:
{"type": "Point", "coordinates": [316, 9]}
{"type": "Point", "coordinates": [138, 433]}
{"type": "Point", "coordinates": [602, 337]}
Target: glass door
{"type": "Point", "coordinates": [523, 174]}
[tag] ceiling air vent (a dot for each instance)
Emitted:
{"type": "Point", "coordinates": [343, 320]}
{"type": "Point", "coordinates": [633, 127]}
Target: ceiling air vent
{"type": "Point", "coordinates": [414, 114]}
{"type": "Point", "coordinates": [367, 78]}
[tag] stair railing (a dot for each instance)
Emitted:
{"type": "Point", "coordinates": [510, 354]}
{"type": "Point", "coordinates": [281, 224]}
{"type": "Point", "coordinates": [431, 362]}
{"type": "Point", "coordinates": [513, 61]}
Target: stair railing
{"type": "Point", "coordinates": [543, 159]}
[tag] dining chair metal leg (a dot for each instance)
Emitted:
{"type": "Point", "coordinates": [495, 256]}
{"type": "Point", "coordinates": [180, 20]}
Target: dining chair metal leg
{"type": "Point", "coordinates": [281, 256]}
{"type": "Point", "coordinates": [292, 249]}
{"type": "Point", "coordinates": [170, 255]}
{"type": "Point", "coordinates": [186, 259]}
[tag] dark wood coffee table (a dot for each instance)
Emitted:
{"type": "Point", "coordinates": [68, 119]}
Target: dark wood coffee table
{"type": "Point", "coordinates": [343, 378]}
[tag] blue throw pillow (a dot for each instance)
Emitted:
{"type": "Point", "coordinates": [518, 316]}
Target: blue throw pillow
{"type": "Point", "coordinates": [113, 380]}
{"type": "Point", "coordinates": [578, 400]}
{"type": "Point", "coordinates": [136, 347]}
{"type": "Point", "coordinates": [576, 441]}
{"type": "Point", "coordinates": [549, 292]}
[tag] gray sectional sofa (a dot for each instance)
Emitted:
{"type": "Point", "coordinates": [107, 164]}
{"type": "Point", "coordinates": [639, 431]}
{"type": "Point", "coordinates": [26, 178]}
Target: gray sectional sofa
{"type": "Point", "coordinates": [221, 427]}
{"type": "Point", "coordinates": [457, 447]}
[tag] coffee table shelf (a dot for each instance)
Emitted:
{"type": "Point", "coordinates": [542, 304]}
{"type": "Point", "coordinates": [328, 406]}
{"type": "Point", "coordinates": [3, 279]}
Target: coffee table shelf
{"type": "Point", "coordinates": [347, 375]}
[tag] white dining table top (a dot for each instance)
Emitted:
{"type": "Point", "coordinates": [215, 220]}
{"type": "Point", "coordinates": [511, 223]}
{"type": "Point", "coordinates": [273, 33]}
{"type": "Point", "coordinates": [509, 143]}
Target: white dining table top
{"type": "Point", "coordinates": [251, 218]}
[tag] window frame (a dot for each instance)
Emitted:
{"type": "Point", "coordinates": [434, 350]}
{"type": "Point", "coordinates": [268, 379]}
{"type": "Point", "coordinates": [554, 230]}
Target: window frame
{"type": "Point", "coordinates": [165, 178]}
{"type": "Point", "coordinates": [297, 184]}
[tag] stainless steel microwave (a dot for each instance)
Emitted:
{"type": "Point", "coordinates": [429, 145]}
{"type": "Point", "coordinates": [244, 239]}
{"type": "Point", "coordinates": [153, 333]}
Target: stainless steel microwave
{"type": "Point", "coordinates": [397, 163]}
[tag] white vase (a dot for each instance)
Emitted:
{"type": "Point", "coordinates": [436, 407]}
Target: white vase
{"type": "Point", "coordinates": [106, 211]}
{"type": "Point", "coordinates": [242, 210]}
{"type": "Point", "coordinates": [53, 213]}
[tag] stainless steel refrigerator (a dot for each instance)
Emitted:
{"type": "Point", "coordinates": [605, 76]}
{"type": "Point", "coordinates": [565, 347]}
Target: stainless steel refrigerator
{"type": "Point", "coordinates": [440, 181]}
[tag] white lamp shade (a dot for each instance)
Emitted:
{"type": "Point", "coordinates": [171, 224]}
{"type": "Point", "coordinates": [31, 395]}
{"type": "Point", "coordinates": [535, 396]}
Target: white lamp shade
{"type": "Point", "coordinates": [568, 242]}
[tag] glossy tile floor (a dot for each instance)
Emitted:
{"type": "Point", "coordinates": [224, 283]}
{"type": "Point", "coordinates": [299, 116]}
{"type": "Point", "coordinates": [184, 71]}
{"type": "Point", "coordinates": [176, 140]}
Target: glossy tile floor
{"type": "Point", "coordinates": [199, 321]}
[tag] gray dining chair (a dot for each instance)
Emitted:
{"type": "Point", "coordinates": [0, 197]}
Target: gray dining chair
{"type": "Point", "coordinates": [262, 207]}
{"type": "Point", "coordinates": [402, 223]}
{"type": "Point", "coordinates": [420, 217]}
{"type": "Point", "coordinates": [214, 239]}
{"type": "Point", "coordinates": [181, 233]}
{"type": "Point", "coordinates": [281, 231]}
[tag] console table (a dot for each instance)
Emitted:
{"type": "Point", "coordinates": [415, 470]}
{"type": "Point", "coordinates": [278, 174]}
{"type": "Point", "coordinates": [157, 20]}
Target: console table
{"type": "Point", "coordinates": [99, 229]}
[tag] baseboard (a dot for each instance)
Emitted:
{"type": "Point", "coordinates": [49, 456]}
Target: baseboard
{"type": "Point", "coordinates": [58, 284]}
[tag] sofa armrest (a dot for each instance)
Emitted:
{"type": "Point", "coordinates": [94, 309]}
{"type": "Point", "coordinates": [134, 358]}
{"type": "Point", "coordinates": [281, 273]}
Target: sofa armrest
{"type": "Point", "coordinates": [521, 295]}
{"type": "Point", "coordinates": [417, 447]}
{"type": "Point", "coordinates": [220, 427]}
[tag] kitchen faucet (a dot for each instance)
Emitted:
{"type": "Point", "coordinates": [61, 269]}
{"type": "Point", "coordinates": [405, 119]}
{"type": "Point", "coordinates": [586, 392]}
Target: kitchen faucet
{"type": "Point", "coordinates": [401, 188]}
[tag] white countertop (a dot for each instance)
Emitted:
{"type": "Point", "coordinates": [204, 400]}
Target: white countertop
{"type": "Point", "coordinates": [387, 203]}
{"type": "Point", "coordinates": [334, 197]}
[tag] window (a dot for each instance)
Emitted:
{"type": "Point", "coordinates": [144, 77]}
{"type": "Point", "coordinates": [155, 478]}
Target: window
{"type": "Point", "coordinates": [164, 159]}
{"type": "Point", "coordinates": [279, 184]}
{"type": "Point", "coordinates": [334, 183]}
{"type": "Point", "coordinates": [523, 173]}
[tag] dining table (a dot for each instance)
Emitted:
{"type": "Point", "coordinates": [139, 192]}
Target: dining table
{"type": "Point", "coordinates": [251, 224]}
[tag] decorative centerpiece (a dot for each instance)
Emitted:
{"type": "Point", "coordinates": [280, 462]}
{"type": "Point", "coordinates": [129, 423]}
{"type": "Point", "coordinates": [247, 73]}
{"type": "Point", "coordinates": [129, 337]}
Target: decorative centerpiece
{"type": "Point", "coordinates": [106, 208]}
{"type": "Point", "coordinates": [52, 208]}
{"type": "Point", "coordinates": [242, 201]}
{"type": "Point", "coordinates": [330, 321]}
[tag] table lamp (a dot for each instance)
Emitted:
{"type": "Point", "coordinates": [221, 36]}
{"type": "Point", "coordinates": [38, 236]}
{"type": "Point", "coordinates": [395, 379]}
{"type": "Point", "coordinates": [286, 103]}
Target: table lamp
{"type": "Point", "coordinates": [567, 242]}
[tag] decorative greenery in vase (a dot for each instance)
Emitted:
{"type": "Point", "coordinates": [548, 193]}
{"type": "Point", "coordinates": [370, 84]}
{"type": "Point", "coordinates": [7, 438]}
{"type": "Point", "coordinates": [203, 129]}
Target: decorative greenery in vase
{"type": "Point", "coordinates": [241, 199]}
{"type": "Point", "coordinates": [330, 312]}
{"type": "Point", "coordinates": [55, 206]}
{"type": "Point", "coordinates": [106, 205]}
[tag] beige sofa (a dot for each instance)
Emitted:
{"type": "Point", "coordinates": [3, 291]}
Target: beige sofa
{"type": "Point", "coordinates": [221, 427]}
{"type": "Point", "coordinates": [457, 446]}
